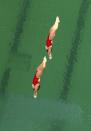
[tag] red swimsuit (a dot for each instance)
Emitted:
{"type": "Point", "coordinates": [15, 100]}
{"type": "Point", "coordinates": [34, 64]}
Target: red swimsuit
{"type": "Point", "coordinates": [35, 80]}
{"type": "Point", "coordinates": [48, 42]}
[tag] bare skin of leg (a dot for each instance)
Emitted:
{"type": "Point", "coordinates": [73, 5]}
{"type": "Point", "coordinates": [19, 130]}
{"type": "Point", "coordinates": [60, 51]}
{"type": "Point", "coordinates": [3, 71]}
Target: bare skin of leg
{"type": "Point", "coordinates": [41, 68]}
{"type": "Point", "coordinates": [54, 28]}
